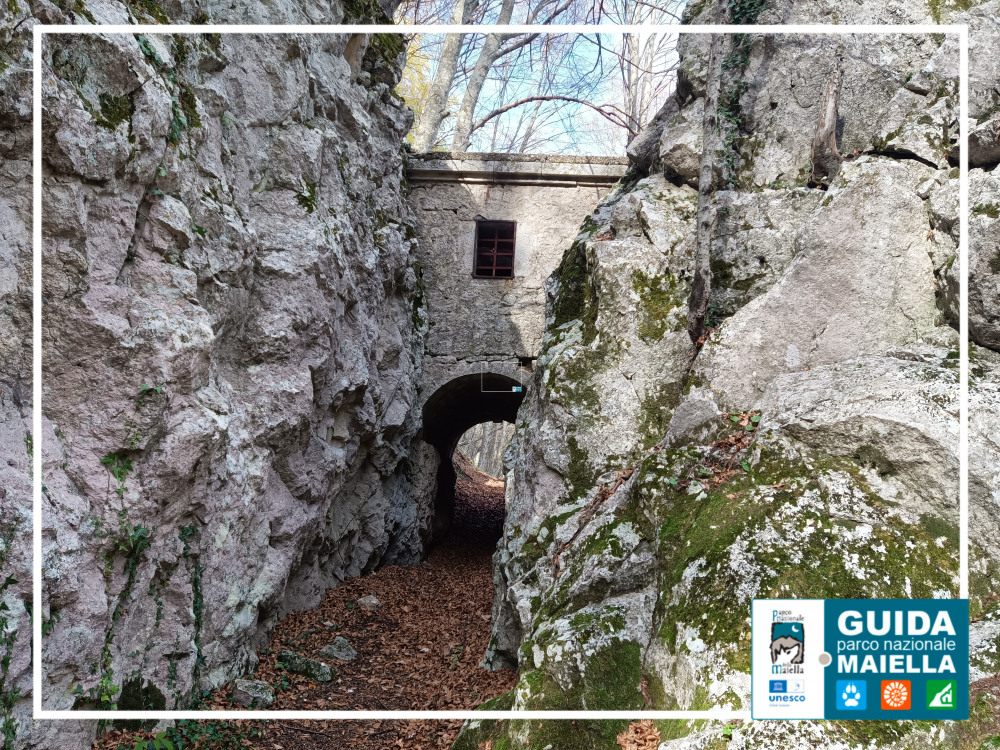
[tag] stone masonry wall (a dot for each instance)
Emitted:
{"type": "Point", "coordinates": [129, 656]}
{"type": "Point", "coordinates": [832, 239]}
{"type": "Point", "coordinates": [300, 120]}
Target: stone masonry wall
{"type": "Point", "coordinates": [472, 321]}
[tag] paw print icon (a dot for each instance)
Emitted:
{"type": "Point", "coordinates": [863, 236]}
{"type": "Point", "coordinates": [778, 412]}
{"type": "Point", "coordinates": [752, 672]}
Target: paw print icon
{"type": "Point", "coordinates": [852, 695]}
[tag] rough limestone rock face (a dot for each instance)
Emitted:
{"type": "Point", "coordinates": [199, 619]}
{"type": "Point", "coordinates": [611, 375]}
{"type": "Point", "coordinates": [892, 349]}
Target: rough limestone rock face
{"type": "Point", "coordinates": [15, 368]}
{"type": "Point", "coordinates": [811, 450]}
{"type": "Point", "coordinates": [984, 74]}
{"type": "Point", "coordinates": [984, 501]}
{"type": "Point", "coordinates": [984, 320]}
{"type": "Point", "coordinates": [984, 256]}
{"type": "Point", "coordinates": [230, 350]}
{"type": "Point", "coordinates": [776, 96]}
{"type": "Point", "coordinates": [680, 143]}
{"type": "Point", "coordinates": [824, 310]}
{"type": "Point", "coordinates": [755, 242]}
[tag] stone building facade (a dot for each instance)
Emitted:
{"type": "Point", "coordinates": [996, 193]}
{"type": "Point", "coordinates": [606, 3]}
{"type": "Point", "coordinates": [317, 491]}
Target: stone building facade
{"type": "Point", "coordinates": [483, 334]}
{"type": "Point", "coordinates": [495, 321]}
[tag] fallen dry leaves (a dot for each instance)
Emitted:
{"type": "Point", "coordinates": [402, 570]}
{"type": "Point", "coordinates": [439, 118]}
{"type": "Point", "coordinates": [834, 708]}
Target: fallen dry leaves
{"type": "Point", "coordinates": [420, 651]}
{"type": "Point", "coordinates": [640, 735]}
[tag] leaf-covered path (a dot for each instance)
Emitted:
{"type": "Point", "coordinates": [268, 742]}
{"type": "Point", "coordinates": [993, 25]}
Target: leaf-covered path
{"type": "Point", "coordinates": [419, 651]}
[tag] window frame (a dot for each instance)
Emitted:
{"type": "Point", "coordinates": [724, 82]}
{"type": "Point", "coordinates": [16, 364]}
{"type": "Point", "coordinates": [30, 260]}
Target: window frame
{"type": "Point", "coordinates": [513, 250]}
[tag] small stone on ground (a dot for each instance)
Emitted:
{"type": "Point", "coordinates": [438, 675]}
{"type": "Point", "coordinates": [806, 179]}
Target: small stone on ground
{"type": "Point", "coordinates": [369, 603]}
{"type": "Point", "coordinates": [252, 693]}
{"type": "Point", "coordinates": [339, 649]}
{"type": "Point", "coordinates": [303, 665]}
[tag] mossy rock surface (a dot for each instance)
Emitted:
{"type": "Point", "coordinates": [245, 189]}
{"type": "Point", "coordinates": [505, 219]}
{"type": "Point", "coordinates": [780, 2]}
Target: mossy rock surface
{"type": "Point", "coordinates": [657, 581]}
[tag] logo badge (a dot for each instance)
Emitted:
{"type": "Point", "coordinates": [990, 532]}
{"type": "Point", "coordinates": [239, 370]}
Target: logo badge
{"type": "Point", "coordinates": [777, 686]}
{"type": "Point", "coordinates": [941, 694]}
{"type": "Point", "coordinates": [896, 695]}
{"type": "Point", "coordinates": [852, 695]}
{"type": "Point", "coordinates": [787, 643]}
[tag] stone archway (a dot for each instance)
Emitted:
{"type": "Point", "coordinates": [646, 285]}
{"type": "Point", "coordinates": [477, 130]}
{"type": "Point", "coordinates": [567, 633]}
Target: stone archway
{"type": "Point", "coordinates": [452, 409]}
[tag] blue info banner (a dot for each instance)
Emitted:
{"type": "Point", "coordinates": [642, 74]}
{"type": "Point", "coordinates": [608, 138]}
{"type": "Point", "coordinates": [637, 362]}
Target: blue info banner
{"type": "Point", "coordinates": [889, 659]}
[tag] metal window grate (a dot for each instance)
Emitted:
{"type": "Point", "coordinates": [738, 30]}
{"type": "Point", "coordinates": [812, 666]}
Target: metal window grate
{"type": "Point", "coordinates": [495, 249]}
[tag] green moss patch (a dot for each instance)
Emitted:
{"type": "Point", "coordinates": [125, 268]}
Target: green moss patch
{"type": "Point", "coordinates": [386, 47]}
{"type": "Point", "coordinates": [660, 299]}
{"type": "Point", "coordinates": [573, 382]}
{"type": "Point", "coordinates": [308, 198]}
{"type": "Point", "coordinates": [146, 10]}
{"type": "Point", "coordinates": [990, 210]}
{"type": "Point", "coordinates": [365, 10]}
{"type": "Point", "coordinates": [114, 110]}
{"type": "Point", "coordinates": [804, 554]}
{"type": "Point", "coordinates": [612, 678]}
{"type": "Point", "coordinates": [657, 407]}
{"type": "Point", "coordinates": [574, 300]}
{"type": "Point", "coordinates": [190, 106]}
{"type": "Point", "coordinates": [580, 476]}
{"type": "Point", "coordinates": [724, 277]}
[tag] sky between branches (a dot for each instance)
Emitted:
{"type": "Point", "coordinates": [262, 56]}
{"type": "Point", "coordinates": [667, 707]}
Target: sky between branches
{"type": "Point", "coordinates": [584, 94]}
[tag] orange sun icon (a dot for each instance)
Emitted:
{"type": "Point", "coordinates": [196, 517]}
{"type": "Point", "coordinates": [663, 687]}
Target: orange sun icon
{"type": "Point", "coordinates": [896, 695]}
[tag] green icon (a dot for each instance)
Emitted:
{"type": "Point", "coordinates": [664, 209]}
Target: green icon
{"type": "Point", "coordinates": [941, 694]}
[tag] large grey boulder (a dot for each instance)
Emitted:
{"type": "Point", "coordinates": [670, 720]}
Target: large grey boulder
{"type": "Point", "coordinates": [896, 413]}
{"type": "Point", "coordinates": [823, 309]}
{"type": "Point", "coordinates": [630, 556]}
{"type": "Point", "coordinates": [680, 143]}
{"type": "Point", "coordinates": [645, 147]}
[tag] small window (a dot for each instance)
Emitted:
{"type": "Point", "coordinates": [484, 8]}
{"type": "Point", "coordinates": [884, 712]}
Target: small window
{"type": "Point", "coordinates": [495, 249]}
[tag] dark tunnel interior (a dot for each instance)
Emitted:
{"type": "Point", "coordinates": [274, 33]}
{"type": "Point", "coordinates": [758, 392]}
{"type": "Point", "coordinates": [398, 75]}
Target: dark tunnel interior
{"type": "Point", "coordinates": [455, 407]}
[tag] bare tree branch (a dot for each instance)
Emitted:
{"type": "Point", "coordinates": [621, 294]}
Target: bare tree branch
{"type": "Point", "coordinates": [605, 110]}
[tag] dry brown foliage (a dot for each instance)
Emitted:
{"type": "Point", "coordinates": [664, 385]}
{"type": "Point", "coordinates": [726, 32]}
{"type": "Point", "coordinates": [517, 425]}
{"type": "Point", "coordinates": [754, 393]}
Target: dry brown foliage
{"type": "Point", "coordinates": [420, 651]}
{"type": "Point", "coordinates": [640, 735]}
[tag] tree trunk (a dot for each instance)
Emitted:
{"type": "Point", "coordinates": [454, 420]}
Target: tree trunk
{"type": "Point", "coordinates": [487, 56]}
{"type": "Point", "coordinates": [435, 109]}
{"type": "Point", "coordinates": [701, 285]}
{"type": "Point", "coordinates": [826, 158]}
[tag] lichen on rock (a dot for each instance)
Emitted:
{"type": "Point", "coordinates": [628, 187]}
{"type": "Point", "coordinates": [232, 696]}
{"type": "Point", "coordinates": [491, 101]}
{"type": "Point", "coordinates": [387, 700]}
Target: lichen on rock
{"type": "Point", "coordinates": [228, 252]}
{"type": "Point", "coordinates": [643, 516]}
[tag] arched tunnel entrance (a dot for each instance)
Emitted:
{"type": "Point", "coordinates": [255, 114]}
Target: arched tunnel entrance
{"type": "Point", "coordinates": [412, 635]}
{"type": "Point", "coordinates": [452, 409]}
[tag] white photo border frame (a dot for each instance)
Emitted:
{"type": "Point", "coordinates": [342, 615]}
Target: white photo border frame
{"type": "Point", "coordinates": [39, 713]}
